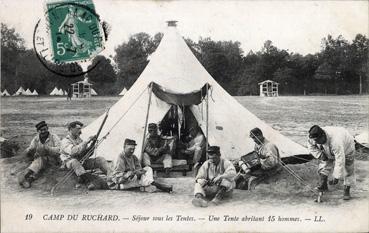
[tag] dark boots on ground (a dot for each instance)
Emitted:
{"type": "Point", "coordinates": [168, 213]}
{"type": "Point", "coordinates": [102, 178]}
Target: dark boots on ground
{"type": "Point", "coordinates": [323, 183]}
{"type": "Point", "coordinates": [346, 193]}
{"type": "Point", "coordinates": [219, 196]}
{"type": "Point", "coordinates": [199, 200]}
{"type": "Point", "coordinates": [26, 178]}
{"type": "Point", "coordinates": [163, 187]}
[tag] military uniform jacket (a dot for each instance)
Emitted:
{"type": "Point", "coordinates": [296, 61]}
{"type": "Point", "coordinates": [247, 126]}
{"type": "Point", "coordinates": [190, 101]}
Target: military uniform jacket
{"type": "Point", "coordinates": [208, 170]}
{"type": "Point", "coordinates": [339, 144]}
{"type": "Point", "coordinates": [72, 148]}
{"type": "Point", "coordinates": [270, 152]}
{"type": "Point", "coordinates": [51, 145]}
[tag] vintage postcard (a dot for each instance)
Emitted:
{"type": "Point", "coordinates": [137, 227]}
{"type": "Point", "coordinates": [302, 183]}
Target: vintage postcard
{"type": "Point", "coordinates": [184, 116]}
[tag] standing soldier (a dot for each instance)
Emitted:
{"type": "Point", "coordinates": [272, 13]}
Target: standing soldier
{"type": "Point", "coordinates": [157, 150]}
{"type": "Point", "coordinates": [44, 149]}
{"type": "Point", "coordinates": [73, 149]}
{"type": "Point", "coordinates": [214, 179]}
{"type": "Point", "coordinates": [335, 148]}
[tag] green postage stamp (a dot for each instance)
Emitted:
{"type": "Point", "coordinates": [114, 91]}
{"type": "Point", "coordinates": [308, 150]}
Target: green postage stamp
{"type": "Point", "coordinates": [74, 29]}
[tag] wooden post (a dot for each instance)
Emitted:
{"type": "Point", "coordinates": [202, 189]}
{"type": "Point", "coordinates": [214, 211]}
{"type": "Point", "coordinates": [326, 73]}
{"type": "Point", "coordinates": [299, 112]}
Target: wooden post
{"type": "Point", "coordinates": [147, 118]}
{"type": "Point", "coordinates": [360, 87]}
{"type": "Point", "coordinates": [207, 118]}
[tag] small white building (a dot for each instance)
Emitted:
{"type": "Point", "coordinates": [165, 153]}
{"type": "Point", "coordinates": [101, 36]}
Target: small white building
{"type": "Point", "coordinates": [268, 88]}
{"type": "Point", "coordinates": [82, 89]}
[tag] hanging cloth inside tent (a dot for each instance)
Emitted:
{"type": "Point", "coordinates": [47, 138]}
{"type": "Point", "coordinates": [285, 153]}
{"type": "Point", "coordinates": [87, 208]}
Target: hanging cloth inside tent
{"type": "Point", "coordinates": [186, 99]}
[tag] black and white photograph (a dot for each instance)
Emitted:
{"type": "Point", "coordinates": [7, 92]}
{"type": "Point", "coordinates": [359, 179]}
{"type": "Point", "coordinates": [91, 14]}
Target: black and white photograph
{"type": "Point", "coordinates": [184, 116]}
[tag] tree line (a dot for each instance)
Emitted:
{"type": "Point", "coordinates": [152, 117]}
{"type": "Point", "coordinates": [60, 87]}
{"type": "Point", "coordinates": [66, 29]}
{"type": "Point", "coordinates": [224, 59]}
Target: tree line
{"type": "Point", "coordinates": [340, 67]}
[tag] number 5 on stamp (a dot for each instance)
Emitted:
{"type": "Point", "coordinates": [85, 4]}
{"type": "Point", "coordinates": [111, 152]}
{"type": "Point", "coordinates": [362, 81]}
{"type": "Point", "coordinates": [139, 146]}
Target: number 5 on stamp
{"type": "Point", "coordinates": [75, 30]}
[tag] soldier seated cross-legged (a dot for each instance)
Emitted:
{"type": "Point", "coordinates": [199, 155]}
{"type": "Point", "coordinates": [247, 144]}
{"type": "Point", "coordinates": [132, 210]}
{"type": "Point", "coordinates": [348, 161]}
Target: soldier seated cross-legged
{"type": "Point", "coordinates": [128, 172]}
{"type": "Point", "coordinates": [214, 179]}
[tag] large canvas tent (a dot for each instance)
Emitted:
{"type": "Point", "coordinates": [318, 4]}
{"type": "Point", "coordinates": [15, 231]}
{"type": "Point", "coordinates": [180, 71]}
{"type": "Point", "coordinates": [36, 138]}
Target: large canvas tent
{"type": "Point", "coordinates": [175, 76]}
{"type": "Point", "coordinates": [123, 92]}
{"type": "Point", "coordinates": [20, 91]}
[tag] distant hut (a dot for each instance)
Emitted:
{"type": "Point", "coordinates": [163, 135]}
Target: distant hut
{"type": "Point", "coordinates": [34, 92]}
{"type": "Point", "coordinates": [93, 92]}
{"type": "Point", "coordinates": [20, 91]}
{"type": "Point", "coordinates": [268, 88]}
{"type": "Point", "coordinates": [28, 92]}
{"type": "Point", "coordinates": [82, 89]}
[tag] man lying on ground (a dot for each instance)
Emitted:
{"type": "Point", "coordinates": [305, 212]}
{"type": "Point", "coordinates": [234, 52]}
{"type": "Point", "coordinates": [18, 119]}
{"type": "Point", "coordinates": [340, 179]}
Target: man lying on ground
{"type": "Point", "coordinates": [214, 179]}
{"type": "Point", "coordinates": [335, 148]}
{"type": "Point", "coordinates": [73, 149]}
{"type": "Point", "coordinates": [257, 166]}
{"type": "Point", "coordinates": [128, 172]}
{"type": "Point", "coordinates": [44, 149]}
{"type": "Point", "coordinates": [157, 150]}
{"type": "Point", "coordinates": [195, 147]}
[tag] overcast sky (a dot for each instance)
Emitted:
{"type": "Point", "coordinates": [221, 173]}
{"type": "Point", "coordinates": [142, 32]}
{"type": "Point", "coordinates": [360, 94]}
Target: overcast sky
{"type": "Point", "coordinates": [297, 26]}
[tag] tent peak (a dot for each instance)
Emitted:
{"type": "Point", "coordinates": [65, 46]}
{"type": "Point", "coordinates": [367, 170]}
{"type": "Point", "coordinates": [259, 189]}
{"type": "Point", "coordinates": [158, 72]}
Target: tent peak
{"type": "Point", "coordinates": [172, 23]}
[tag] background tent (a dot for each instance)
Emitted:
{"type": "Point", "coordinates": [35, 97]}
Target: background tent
{"type": "Point", "coordinates": [28, 92]}
{"type": "Point", "coordinates": [5, 93]}
{"type": "Point", "coordinates": [93, 92]}
{"type": "Point", "coordinates": [20, 91]}
{"type": "Point", "coordinates": [34, 93]}
{"type": "Point", "coordinates": [60, 92]}
{"type": "Point", "coordinates": [55, 91]}
{"type": "Point", "coordinates": [123, 92]}
{"type": "Point", "coordinates": [176, 70]}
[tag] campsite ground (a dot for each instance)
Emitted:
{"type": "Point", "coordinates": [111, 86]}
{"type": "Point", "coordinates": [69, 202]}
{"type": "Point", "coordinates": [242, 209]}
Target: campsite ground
{"type": "Point", "coordinates": [284, 196]}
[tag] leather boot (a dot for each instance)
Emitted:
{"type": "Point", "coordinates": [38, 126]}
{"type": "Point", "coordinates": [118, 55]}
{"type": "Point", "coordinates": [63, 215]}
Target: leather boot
{"type": "Point", "coordinates": [25, 178]}
{"type": "Point", "coordinates": [323, 183]}
{"type": "Point", "coordinates": [219, 196]}
{"type": "Point", "coordinates": [346, 194]}
{"type": "Point", "coordinates": [199, 201]}
{"type": "Point", "coordinates": [163, 187]}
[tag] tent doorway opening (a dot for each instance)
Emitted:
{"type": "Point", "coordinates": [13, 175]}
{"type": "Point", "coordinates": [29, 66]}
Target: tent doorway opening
{"type": "Point", "coordinates": [180, 128]}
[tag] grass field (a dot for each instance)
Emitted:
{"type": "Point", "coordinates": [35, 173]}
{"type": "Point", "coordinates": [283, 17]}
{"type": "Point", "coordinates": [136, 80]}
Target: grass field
{"type": "Point", "coordinates": [292, 116]}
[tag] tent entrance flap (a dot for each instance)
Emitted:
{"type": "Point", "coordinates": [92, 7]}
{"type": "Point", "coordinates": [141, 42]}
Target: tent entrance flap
{"type": "Point", "coordinates": [181, 99]}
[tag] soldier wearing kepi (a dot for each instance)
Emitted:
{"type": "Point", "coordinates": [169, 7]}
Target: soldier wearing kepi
{"type": "Point", "coordinates": [73, 148]}
{"type": "Point", "coordinates": [214, 179]}
{"type": "Point", "coordinates": [157, 150]}
{"type": "Point", "coordinates": [44, 149]}
{"type": "Point", "coordinates": [128, 172]}
{"type": "Point", "coordinates": [335, 148]}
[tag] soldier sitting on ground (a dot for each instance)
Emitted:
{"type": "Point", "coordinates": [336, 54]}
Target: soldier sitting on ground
{"type": "Point", "coordinates": [128, 172]}
{"type": "Point", "coordinates": [195, 147]}
{"type": "Point", "coordinates": [44, 149]}
{"type": "Point", "coordinates": [157, 150]}
{"type": "Point", "coordinates": [260, 164]}
{"type": "Point", "coordinates": [73, 149]}
{"type": "Point", "coordinates": [214, 179]}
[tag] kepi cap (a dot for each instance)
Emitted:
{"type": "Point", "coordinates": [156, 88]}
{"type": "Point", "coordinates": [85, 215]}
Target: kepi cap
{"type": "Point", "coordinates": [129, 142]}
{"type": "Point", "coordinates": [213, 150]}
{"type": "Point", "coordinates": [40, 125]}
{"type": "Point", "coordinates": [153, 126]}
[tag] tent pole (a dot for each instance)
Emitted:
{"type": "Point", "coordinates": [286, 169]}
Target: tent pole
{"type": "Point", "coordinates": [147, 118]}
{"type": "Point", "coordinates": [207, 117]}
